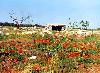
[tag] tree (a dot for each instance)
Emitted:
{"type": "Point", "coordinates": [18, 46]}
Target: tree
{"type": "Point", "coordinates": [72, 24]}
{"type": "Point", "coordinates": [84, 24]}
{"type": "Point", "coordinates": [16, 20]}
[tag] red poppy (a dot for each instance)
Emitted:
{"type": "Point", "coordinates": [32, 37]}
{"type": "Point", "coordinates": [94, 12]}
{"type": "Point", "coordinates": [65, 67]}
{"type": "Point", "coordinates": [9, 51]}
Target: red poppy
{"type": "Point", "coordinates": [86, 56]}
{"type": "Point", "coordinates": [2, 62]}
{"type": "Point", "coordinates": [15, 60]}
{"type": "Point", "coordinates": [73, 55]}
{"type": "Point", "coordinates": [36, 67]}
{"type": "Point", "coordinates": [20, 51]}
{"type": "Point", "coordinates": [45, 41]}
{"type": "Point", "coordinates": [17, 46]}
{"type": "Point", "coordinates": [82, 44]}
{"type": "Point", "coordinates": [32, 46]}
{"type": "Point", "coordinates": [38, 41]}
{"type": "Point", "coordinates": [12, 51]}
{"type": "Point", "coordinates": [92, 46]}
{"type": "Point", "coordinates": [65, 44]}
{"type": "Point", "coordinates": [94, 56]}
{"type": "Point", "coordinates": [75, 45]}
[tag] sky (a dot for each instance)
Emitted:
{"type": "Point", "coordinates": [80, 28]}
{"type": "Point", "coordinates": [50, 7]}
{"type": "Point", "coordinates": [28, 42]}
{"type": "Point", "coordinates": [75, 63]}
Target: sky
{"type": "Point", "coordinates": [52, 11]}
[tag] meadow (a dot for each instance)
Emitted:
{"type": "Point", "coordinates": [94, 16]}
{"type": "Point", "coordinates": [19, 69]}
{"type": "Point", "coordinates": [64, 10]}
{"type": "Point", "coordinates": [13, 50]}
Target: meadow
{"type": "Point", "coordinates": [49, 52]}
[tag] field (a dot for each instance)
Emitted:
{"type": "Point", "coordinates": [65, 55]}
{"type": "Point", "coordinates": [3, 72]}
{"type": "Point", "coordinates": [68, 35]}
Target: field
{"type": "Point", "coordinates": [43, 51]}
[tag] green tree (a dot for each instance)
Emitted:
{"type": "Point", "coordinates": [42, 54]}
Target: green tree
{"type": "Point", "coordinates": [84, 24]}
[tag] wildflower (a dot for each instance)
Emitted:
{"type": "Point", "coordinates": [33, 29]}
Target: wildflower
{"type": "Point", "coordinates": [45, 41]}
{"type": "Point", "coordinates": [86, 56]}
{"type": "Point", "coordinates": [15, 60]}
{"type": "Point", "coordinates": [36, 67]}
{"type": "Point", "coordinates": [73, 55]}
{"type": "Point", "coordinates": [20, 51]}
{"type": "Point", "coordinates": [65, 44]}
{"type": "Point", "coordinates": [17, 46]}
{"type": "Point", "coordinates": [75, 45]}
{"type": "Point", "coordinates": [82, 44]}
{"type": "Point", "coordinates": [12, 51]}
{"type": "Point", "coordinates": [2, 62]}
{"type": "Point", "coordinates": [92, 46]}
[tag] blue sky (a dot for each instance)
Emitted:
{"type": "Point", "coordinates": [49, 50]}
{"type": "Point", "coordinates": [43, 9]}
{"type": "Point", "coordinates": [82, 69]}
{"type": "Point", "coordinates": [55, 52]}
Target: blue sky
{"type": "Point", "coordinates": [52, 11]}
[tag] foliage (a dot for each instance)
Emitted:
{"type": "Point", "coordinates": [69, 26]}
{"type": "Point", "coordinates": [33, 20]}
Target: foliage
{"type": "Point", "coordinates": [84, 24]}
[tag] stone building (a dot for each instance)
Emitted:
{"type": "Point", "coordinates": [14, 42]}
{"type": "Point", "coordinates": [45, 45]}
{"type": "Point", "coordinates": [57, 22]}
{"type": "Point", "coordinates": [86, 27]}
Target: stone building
{"type": "Point", "coordinates": [56, 27]}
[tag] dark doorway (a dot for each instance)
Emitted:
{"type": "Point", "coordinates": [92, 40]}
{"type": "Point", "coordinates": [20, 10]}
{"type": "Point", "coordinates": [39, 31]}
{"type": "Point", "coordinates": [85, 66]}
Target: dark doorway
{"type": "Point", "coordinates": [57, 28]}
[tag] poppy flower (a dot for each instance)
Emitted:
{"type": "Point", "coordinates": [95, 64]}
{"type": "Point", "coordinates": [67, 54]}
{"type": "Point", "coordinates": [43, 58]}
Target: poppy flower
{"type": "Point", "coordinates": [15, 60]}
{"type": "Point", "coordinates": [17, 46]}
{"type": "Point", "coordinates": [82, 44]}
{"type": "Point", "coordinates": [65, 44]}
{"type": "Point", "coordinates": [2, 62]}
{"type": "Point", "coordinates": [12, 51]}
{"type": "Point", "coordinates": [86, 56]}
{"type": "Point", "coordinates": [36, 67]}
{"type": "Point", "coordinates": [75, 45]}
{"type": "Point", "coordinates": [73, 55]}
{"type": "Point", "coordinates": [20, 51]}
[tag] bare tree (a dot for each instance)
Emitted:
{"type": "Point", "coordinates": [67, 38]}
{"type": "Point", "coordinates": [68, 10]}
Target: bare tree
{"type": "Point", "coordinates": [72, 25]}
{"type": "Point", "coordinates": [16, 20]}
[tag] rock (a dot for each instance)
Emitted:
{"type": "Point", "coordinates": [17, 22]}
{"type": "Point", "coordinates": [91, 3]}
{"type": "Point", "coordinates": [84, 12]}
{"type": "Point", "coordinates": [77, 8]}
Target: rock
{"type": "Point", "coordinates": [33, 57]}
{"type": "Point", "coordinates": [7, 34]}
{"type": "Point", "coordinates": [15, 29]}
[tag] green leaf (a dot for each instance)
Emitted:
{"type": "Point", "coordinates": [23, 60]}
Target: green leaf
{"type": "Point", "coordinates": [89, 60]}
{"type": "Point", "coordinates": [58, 46]}
{"type": "Point", "coordinates": [80, 59]}
{"type": "Point", "coordinates": [2, 50]}
{"type": "Point", "coordinates": [90, 51]}
{"type": "Point", "coordinates": [98, 44]}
